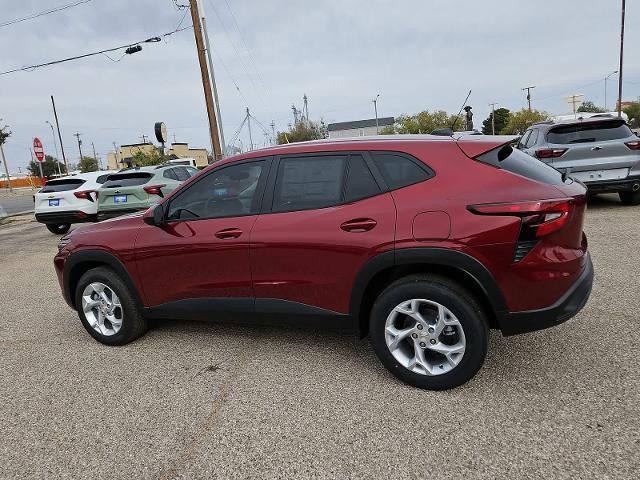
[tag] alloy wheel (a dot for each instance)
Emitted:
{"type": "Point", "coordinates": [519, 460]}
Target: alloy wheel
{"type": "Point", "coordinates": [102, 308]}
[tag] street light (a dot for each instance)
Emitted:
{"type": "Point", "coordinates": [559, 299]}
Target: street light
{"type": "Point", "coordinates": [605, 88]}
{"type": "Point", "coordinates": [55, 145]}
{"type": "Point", "coordinates": [375, 107]}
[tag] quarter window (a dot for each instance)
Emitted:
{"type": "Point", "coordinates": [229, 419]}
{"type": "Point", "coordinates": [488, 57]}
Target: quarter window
{"type": "Point", "coordinates": [360, 182]}
{"type": "Point", "coordinates": [533, 138]}
{"type": "Point", "coordinates": [399, 170]}
{"type": "Point", "coordinates": [309, 182]}
{"type": "Point", "coordinates": [229, 192]}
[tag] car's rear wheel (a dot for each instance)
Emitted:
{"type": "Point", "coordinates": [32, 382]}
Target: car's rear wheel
{"type": "Point", "coordinates": [429, 332]}
{"type": "Point", "coordinates": [630, 198]}
{"type": "Point", "coordinates": [107, 308]}
{"type": "Point", "coordinates": [58, 228]}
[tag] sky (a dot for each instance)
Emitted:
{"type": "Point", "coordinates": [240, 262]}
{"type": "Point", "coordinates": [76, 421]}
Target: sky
{"type": "Point", "coordinates": [417, 54]}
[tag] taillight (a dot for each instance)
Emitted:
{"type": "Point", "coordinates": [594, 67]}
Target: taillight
{"type": "Point", "coordinates": [154, 190]}
{"type": "Point", "coordinates": [550, 152]}
{"type": "Point", "coordinates": [86, 194]}
{"type": "Point", "coordinates": [539, 219]}
{"type": "Point", "coordinates": [635, 145]}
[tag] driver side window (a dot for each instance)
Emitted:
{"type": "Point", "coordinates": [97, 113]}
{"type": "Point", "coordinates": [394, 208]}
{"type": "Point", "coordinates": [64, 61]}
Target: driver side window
{"type": "Point", "coordinates": [229, 192]}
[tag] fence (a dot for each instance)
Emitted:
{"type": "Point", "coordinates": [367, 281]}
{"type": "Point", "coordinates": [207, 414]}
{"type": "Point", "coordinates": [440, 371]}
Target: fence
{"type": "Point", "coordinates": [33, 182]}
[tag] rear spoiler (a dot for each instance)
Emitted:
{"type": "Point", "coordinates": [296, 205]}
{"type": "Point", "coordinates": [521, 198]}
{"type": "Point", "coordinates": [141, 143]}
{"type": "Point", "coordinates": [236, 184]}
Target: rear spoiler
{"type": "Point", "coordinates": [475, 145]}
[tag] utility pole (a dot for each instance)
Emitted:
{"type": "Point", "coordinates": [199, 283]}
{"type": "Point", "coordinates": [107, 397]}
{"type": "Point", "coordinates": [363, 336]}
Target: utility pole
{"type": "Point", "coordinates": [305, 107]}
{"type": "Point", "coordinates": [528, 89]}
{"type": "Point", "coordinates": [273, 131]}
{"type": "Point", "coordinates": [77, 135]}
{"type": "Point", "coordinates": [620, 67]}
{"type": "Point", "coordinates": [55, 114]}
{"type": "Point", "coordinates": [55, 146]}
{"type": "Point", "coordinates": [115, 153]}
{"type": "Point", "coordinates": [213, 123]}
{"type": "Point", "coordinates": [96, 156]}
{"type": "Point", "coordinates": [213, 84]}
{"type": "Point", "coordinates": [493, 118]}
{"type": "Point", "coordinates": [6, 168]}
{"type": "Point", "coordinates": [375, 107]}
{"type": "Point", "coordinates": [249, 126]}
{"type": "Point", "coordinates": [295, 114]}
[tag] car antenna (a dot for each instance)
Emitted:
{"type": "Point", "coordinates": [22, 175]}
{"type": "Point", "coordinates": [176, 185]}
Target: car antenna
{"type": "Point", "coordinates": [453, 125]}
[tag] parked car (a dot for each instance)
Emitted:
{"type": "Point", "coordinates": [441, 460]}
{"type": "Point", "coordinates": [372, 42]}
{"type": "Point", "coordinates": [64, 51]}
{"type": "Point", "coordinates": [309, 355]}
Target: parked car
{"type": "Point", "coordinates": [66, 200]}
{"type": "Point", "coordinates": [191, 162]}
{"type": "Point", "coordinates": [421, 242]}
{"type": "Point", "coordinates": [600, 151]}
{"type": "Point", "coordinates": [137, 189]}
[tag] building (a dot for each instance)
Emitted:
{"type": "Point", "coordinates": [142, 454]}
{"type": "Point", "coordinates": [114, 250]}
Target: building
{"type": "Point", "coordinates": [182, 150]}
{"type": "Point", "coordinates": [122, 158]}
{"type": "Point", "coordinates": [358, 128]}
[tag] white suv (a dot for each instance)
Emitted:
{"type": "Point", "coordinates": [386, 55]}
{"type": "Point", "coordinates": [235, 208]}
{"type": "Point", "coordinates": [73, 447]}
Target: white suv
{"type": "Point", "coordinates": [68, 200]}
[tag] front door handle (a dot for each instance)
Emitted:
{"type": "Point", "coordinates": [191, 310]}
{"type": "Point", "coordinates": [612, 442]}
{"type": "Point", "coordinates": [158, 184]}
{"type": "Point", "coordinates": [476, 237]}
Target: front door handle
{"type": "Point", "coordinates": [358, 225]}
{"type": "Point", "coordinates": [228, 233]}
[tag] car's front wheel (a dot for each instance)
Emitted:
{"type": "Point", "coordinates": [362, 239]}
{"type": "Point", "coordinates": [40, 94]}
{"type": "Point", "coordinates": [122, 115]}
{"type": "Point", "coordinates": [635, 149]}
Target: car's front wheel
{"type": "Point", "coordinates": [429, 332]}
{"type": "Point", "coordinates": [58, 228]}
{"type": "Point", "coordinates": [107, 308]}
{"type": "Point", "coordinates": [630, 198]}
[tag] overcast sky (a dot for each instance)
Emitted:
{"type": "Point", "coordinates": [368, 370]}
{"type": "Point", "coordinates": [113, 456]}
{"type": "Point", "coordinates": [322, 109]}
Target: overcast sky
{"type": "Point", "coordinates": [417, 54]}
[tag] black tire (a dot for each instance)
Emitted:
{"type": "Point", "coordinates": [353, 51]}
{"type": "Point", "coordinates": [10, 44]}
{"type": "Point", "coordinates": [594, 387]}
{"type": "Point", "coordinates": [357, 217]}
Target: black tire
{"type": "Point", "coordinates": [134, 324]}
{"type": "Point", "coordinates": [58, 228]}
{"type": "Point", "coordinates": [449, 294]}
{"type": "Point", "coordinates": [630, 198]}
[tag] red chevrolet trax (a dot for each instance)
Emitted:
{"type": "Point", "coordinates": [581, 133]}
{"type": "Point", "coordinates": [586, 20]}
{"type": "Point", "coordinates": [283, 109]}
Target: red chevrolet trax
{"type": "Point", "coordinates": [423, 243]}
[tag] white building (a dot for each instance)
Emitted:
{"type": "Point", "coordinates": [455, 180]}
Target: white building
{"type": "Point", "coordinates": [358, 128]}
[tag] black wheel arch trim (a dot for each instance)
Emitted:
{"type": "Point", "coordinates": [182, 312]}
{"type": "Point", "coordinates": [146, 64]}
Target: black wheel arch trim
{"type": "Point", "coordinates": [96, 257]}
{"type": "Point", "coordinates": [428, 256]}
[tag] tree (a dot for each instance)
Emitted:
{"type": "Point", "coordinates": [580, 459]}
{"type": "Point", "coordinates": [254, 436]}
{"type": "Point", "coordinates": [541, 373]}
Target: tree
{"type": "Point", "coordinates": [302, 131]}
{"type": "Point", "coordinates": [50, 166]}
{"type": "Point", "coordinates": [4, 134]}
{"type": "Point", "coordinates": [590, 107]}
{"type": "Point", "coordinates": [502, 118]}
{"type": "Point", "coordinates": [145, 159]}
{"type": "Point", "coordinates": [423, 122]}
{"type": "Point", "coordinates": [519, 121]}
{"type": "Point", "coordinates": [88, 164]}
{"type": "Point", "coordinates": [633, 112]}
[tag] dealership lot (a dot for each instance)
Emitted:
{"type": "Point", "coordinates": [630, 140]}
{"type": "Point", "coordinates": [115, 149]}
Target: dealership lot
{"type": "Point", "coordinates": [194, 400]}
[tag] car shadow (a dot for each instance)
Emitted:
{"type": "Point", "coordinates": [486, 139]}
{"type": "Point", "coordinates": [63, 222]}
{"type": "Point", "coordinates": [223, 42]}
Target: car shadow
{"type": "Point", "coordinates": [604, 201]}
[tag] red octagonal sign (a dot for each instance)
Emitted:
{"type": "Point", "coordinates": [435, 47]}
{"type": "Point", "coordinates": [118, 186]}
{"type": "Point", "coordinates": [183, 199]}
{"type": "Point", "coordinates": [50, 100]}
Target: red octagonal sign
{"type": "Point", "coordinates": [37, 149]}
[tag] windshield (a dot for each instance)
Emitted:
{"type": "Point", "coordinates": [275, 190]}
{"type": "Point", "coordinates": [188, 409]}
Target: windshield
{"type": "Point", "coordinates": [589, 132]}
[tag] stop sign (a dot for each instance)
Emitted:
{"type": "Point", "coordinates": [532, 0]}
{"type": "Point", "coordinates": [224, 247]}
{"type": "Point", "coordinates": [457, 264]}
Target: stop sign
{"type": "Point", "coordinates": [37, 149]}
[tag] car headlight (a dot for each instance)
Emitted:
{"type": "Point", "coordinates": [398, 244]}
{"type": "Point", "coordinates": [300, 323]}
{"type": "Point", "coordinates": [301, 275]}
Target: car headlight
{"type": "Point", "coordinates": [64, 241]}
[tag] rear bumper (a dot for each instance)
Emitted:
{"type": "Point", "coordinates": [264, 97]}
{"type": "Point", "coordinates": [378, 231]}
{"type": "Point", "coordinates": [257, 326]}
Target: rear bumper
{"type": "Point", "coordinates": [106, 214]}
{"type": "Point", "coordinates": [611, 186]}
{"type": "Point", "coordinates": [567, 306]}
{"type": "Point", "coordinates": [69, 216]}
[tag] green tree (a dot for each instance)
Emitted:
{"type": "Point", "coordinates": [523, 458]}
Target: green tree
{"type": "Point", "coordinates": [590, 107]}
{"type": "Point", "coordinates": [301, 132]}
{"type": "Point", "coordinates": [88, 164]}
{"type": "Point", "coordinates": [519, 121]}
{"type": "Point", "coordinates": [50, 166]}
{"type": "Point", "coordinates": [502, 118]}
{"type": "Point", "coordinates": [145, 159]}
{"type": "Point", "coordinates": [4, 134]}
{"type": "Point", "coordinates": [423, 122]}
{"type": "Point", "coordinates": [633, 112]}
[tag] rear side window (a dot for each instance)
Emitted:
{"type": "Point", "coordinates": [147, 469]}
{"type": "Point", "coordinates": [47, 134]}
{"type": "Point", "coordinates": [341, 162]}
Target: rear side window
{"type": "Point", "coordinates": [181, 173]}
{"type": "Point", "coordinates": [102, 178]}
{"type": "Point", "coordinates": [589, 132]}
{"type": "Point", "coordinates": [61, 185]}
{"type": "Point", "coordinates": [360, 182]}
{"type": "Point", "coordinates": [533, 138]}
{"type": "Point", "coordinates": [309, 182]}
{"type": "Point", "coordinates": [515, 161]}
{"type": "Point", "coordinates": [170, 173]}
{"type": "Point", "coordinates": [127, 179]}
{"type": "Point", "coordinates": [399, 170]}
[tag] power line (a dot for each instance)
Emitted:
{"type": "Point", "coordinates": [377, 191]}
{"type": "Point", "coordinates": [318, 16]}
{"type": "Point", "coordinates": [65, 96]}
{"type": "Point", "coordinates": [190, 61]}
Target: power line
{"type": "Point", "coordinates": [131, 48]}
{"type": "Point", "coordinates": [45, 12]}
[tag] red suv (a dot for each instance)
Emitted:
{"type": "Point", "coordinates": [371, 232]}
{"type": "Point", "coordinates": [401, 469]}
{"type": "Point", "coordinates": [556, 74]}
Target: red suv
{"type": "Point", "coordinates": [422, 242]}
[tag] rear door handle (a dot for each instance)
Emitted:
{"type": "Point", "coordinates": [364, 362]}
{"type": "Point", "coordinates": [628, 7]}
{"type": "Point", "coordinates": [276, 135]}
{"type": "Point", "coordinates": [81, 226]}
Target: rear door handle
{"type": "Point", "coordinates": [596, 148]}
{"type": "Point", "coordinates": [358, 225]}
{"type": "Point", "coordinates": [228, 233]}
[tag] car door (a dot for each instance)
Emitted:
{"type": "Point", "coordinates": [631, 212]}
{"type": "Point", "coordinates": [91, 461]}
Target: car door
{"type": "Point", "coordinates": [323, 217]}
{"type": "Point", "coordinates": [199, 258]}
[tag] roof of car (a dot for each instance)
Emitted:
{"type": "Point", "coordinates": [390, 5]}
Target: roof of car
{"type": "Point", "coordinates": [579, 120]}
{"type": "Point", "coordinates": [86, 176]}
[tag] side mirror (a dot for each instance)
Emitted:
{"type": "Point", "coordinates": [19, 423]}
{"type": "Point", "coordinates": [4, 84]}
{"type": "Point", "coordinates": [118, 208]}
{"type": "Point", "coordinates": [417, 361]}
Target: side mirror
{"type": "Point", "coordinates": [155, 216]}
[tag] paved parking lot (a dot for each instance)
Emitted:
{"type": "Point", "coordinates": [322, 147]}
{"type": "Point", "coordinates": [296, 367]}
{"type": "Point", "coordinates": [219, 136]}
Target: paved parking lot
{"type": "Point", "coordinates": [196, 400]}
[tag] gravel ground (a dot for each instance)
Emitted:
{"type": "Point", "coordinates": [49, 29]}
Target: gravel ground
{"type": "Point", "coordinates": [198, 400]}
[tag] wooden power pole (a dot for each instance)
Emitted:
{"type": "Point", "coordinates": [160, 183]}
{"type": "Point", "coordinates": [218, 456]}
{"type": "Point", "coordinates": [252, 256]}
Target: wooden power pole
{"type": "Point", "coordinates": [206, 85]}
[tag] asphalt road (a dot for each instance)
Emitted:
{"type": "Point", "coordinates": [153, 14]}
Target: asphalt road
{"type": "Point", "coordinates": [198, 400]}
{"type": "Point", "coordinates": [15, 203]}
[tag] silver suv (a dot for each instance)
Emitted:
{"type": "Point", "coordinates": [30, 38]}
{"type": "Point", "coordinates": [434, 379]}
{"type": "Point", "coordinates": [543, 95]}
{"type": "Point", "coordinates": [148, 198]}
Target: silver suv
{"type": "Point", "coordinates": [602, 152]}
